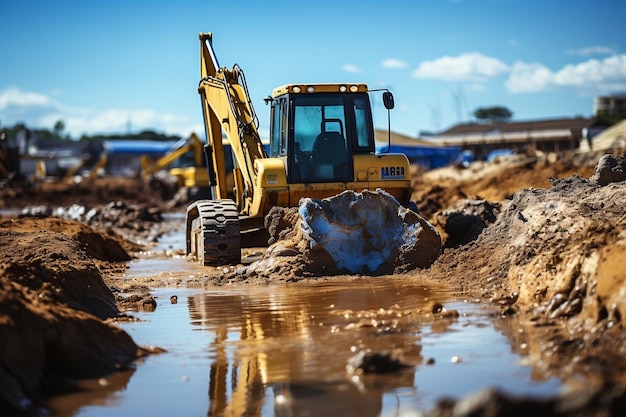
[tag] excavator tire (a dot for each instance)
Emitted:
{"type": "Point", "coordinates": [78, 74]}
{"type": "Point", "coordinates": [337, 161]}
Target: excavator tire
{"type": "Point", "coordinates": [212, 232]}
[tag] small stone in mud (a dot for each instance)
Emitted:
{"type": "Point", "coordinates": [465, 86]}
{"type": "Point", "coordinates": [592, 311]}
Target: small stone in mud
{"type": "Point", "coordinates": [449, 314]}
{"type": "Point", "coordinates": [465, 221]}
{"type": "Point", "coordinates": [435, 307]}
{"type": "Point", "coordinates": [174, 299]}
{"type": "Point", "coordinates": [509, 311]}
{"type": "Point", "coordinates": [610, 169]}
{"type": "Point", "coordinates": [149, 304]}
{"type": "Point", "coordinates": [492, 402]}
{"type": "Point", "coordinates": [376, 363]}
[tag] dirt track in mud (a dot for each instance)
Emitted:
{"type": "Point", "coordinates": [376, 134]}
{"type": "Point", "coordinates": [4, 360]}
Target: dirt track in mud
{"type": "Point", "coordinates": [537, 236]}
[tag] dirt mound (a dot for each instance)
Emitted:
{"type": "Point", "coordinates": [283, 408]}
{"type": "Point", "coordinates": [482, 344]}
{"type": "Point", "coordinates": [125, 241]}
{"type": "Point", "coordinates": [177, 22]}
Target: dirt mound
{"type": "Point", "coordinates": [542, 235]}
{"type": "Point", "coordinates": [104, 244]}
{"type": "Point", "coordinates": [136, 223]}
{"type": "Point", "coordinates": [90, 193]}
{"type": "Point", "coordinates": [555, 255]}
{"type": "Point", "coordinates": [53, 300]}
{"type": "Point", "coordinates": [497, 181]}
{"type": "Point", "coordinates": [465, 221]}
{"type": "Point", "coordinates": [45, 345]}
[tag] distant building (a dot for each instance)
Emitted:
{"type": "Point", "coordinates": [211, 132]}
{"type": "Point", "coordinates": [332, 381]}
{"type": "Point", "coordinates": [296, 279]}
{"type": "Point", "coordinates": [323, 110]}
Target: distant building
{"type": "Point", "coordinates": [613, 104]}
{"type": "Point", "coordinates": [478, 141]}
{"type": "Point", "coordinates": [553, 135]}
{"type": "Point", "coordinates": [58, 156]}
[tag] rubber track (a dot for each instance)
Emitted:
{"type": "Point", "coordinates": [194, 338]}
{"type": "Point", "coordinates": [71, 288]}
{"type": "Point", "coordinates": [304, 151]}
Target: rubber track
{"type": "Point", "coordinates": [220, 231]}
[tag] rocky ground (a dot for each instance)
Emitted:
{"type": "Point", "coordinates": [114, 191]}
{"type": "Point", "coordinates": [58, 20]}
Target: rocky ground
{"type": "Point", "coordinates": [542, 237]}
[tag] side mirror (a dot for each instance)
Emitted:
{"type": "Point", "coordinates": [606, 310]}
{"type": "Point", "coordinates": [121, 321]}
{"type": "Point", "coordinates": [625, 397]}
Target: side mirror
{"type": "Point", "coordinates": [388, 100]}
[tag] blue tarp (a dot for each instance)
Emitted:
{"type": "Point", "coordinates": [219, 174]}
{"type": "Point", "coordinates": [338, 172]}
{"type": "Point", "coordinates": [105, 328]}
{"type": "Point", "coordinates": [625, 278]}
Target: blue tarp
{"type": "Point", "coordinates": [137, 147]}
{"type": "Point", "coordinates": [426, 156]}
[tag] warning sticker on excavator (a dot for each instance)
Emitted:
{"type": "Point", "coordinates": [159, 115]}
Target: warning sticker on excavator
{"type": "Point", "coordinates": [392, 172]}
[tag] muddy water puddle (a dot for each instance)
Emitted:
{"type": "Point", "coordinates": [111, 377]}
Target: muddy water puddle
{"type": "Point", "coordinates": [284, 351]}
{"type": "Point", "coordinates": [287, 351]}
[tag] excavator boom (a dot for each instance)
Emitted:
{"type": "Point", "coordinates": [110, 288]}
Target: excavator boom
{"type": "Point", "coordinates": [228, 111]}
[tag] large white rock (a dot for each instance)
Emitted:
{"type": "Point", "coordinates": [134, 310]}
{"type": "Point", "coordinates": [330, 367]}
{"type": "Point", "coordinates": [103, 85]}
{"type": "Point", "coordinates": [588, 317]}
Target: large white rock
{"type": "Point", "coordinates": [368, 232]}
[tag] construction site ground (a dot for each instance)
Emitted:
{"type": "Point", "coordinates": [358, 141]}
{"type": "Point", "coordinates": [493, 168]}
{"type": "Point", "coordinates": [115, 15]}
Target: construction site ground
{"type": "Point", "coordinates": [553, 255]}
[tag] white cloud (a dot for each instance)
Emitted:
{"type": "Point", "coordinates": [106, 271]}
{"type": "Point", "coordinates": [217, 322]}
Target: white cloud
{"type": "Point", "coordinates": [476, 87]}
{"type": "Point", "coordinates": [351, 68]}
{"type": "Point", "coordinates": [14, 97]}
{"type": "Point", "coordinates": [27, 107]}
{"type": "Point", "coordinates": [528, 78]}
{"type": "Point", "coordinates": [394, 63]}
{"type": "Point", "coordinates": [465, 67]}
{"type": "Point", "coordinates": [39, 110]}
{"type": "Point", "coordinates": [595, 75]}
{"type": "Point", "coordinates": [591, 50]}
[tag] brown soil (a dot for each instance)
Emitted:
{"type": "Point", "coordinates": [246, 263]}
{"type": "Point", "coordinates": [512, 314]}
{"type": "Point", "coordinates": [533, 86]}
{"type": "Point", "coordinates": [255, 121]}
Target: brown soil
{"type": "Point", "coordinates": [90, 193]}
{"type": "Point", "coordinates": [547, 245]}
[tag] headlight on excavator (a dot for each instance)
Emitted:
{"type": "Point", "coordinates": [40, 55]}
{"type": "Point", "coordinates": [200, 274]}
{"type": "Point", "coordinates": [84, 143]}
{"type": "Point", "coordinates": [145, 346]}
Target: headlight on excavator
{"type": "Point", "coordinates": [310, 89]}
{"type": "Point", "coordinates": [296, 89]}
{"type": "Point", "coordinates": [354, 88]}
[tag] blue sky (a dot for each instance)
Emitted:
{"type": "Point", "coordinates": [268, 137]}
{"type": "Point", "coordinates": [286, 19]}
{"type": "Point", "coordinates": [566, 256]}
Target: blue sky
{"type": "Point", "coordinates": [113, 66]}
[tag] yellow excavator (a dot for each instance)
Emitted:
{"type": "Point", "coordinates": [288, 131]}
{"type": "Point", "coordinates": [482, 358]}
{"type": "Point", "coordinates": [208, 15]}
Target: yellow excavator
{"type": "Point", "coordinates": [321, 144]}
{"type": "Point", "coordinates": [182, 167]}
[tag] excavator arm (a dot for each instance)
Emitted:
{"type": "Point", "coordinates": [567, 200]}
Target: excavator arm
{"type": "Point", "coordinates": [228, 111]}
{"type": "Point", "coordinates": [213, 226]}
{"type": "Point", "coordinates": [191, 144]}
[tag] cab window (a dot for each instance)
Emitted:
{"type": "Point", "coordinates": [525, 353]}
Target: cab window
{"type": "Point", "coordinates": [278, 132]}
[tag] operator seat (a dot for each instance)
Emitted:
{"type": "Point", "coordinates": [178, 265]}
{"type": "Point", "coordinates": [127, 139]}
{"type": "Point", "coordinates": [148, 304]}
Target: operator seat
{"type": "Point", "coordinates": [333, 160]}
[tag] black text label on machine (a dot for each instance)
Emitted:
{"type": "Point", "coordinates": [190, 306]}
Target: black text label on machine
{"type": "Point", "coordinates": [392, 172]}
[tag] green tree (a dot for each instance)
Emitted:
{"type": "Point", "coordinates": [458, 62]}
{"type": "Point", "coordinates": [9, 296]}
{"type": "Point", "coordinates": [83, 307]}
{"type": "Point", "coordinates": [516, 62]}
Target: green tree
{"type": "Point", "coordinates": [58, 128]}
{"type": "Point", "coordinates": [495, 114]}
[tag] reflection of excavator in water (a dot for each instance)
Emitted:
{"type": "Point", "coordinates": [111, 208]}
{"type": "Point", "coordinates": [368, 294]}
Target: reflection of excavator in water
{"type": "Point", "coordinates": [250, 362]}
{"type": "Point", "coordinates": [321, 144]}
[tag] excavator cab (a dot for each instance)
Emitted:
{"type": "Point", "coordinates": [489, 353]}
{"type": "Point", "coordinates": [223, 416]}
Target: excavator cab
{"type": "Point", "coordinates": [317, 129]}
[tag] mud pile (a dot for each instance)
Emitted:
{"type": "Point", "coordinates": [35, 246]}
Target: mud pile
{"type": "Point", "coordinates": [465, 220]}
{"type": "Point", "coordinates": [554, 257]}
{"type": "Point", "coordinates": [547, 244]}
{"type": "Point", "coordinates": [136, 223]}
{"type": "Point", "coordinates": [366, 233]}
{"type": "Point", "coordinates": [90, 193]}
{"type": "Point", "coordinates": [53, 302]}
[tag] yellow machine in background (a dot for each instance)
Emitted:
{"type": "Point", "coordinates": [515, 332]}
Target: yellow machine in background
{"type": "Point", "coordinates": [321, 143]}
{"type": "Point", "coordinates": [183, 167]}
